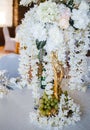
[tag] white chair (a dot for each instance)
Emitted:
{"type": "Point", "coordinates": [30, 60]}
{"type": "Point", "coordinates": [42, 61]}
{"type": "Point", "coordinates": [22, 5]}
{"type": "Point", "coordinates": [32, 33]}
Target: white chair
{"type": "Point", "coordinates": [10, 43]}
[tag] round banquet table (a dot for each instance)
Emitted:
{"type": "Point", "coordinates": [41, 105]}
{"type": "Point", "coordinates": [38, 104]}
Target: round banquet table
{"type": "Point", "coordinates": [16, 106]}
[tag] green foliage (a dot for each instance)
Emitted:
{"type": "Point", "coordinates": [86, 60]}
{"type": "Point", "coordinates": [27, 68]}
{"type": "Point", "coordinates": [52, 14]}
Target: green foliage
{"type": "Point", "coordinates": [70, 4]}
{"type": "Point", "coordinates": [40, 44]}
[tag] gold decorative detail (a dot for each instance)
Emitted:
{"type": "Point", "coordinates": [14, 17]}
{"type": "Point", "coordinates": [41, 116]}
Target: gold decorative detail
{"type": "Point", "coordinates": [58, 74]}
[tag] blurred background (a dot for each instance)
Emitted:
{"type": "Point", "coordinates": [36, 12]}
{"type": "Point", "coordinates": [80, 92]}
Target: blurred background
{"type": "Point", "coordinates": [10, 15]}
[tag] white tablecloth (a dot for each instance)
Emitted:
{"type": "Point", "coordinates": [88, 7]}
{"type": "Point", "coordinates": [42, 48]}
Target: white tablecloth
{"type": "Point", "coordinates": [15, 108]}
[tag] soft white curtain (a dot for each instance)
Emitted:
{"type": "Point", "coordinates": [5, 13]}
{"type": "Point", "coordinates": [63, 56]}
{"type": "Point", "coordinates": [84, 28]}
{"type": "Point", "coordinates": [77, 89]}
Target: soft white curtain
{"type": "Point", "coordinates": [6, 12]}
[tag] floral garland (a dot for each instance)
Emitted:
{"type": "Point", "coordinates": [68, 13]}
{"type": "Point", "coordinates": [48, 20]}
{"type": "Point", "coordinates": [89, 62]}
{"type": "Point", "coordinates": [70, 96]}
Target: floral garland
{"type": "Point", "coordinates": [54, 39]}
{"type": "Point", "coordinates": [75, 32]}
{"type": "Point", "coordinates": [78, 62]}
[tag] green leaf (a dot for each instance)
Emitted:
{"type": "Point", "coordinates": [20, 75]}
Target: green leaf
{"type": "Point", "coordinates": [71, 4]}
{"type": "Point", "coordinates": [40, 44]}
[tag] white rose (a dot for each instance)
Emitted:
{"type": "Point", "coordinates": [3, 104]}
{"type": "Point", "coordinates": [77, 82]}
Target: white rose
{"type": "Point", "coordinates": [63, 23]}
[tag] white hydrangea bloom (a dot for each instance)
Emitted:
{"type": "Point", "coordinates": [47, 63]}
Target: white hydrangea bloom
{"type": "Point", "coordinates": [47, 12]}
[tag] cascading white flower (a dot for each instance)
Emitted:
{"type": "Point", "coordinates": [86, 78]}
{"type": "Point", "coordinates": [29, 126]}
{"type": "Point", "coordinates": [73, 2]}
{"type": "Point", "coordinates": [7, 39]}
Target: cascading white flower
{"type": "Point", "coordinates": [49, 76]}
{"type": "Point", "coordinates": [39, 32]}
{"type": "Point", "coordinates": [78, 46]}
{"type": "Point", "coordinates": [55, 38]}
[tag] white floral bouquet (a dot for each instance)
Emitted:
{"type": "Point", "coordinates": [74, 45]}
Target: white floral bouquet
{"type": "Point", "coordinates": [54, 41]}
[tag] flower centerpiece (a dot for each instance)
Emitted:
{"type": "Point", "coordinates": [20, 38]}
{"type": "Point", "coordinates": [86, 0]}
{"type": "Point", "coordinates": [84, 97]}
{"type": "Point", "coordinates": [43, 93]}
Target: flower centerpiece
{"type": "Point", "coordinates": [54, 41]}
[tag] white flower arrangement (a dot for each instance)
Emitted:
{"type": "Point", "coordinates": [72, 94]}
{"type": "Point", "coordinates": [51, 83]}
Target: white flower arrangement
{"type": "Point", "coordinates": [57, 39]}
{"type": "Point", "coordinates": [54, 38]}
